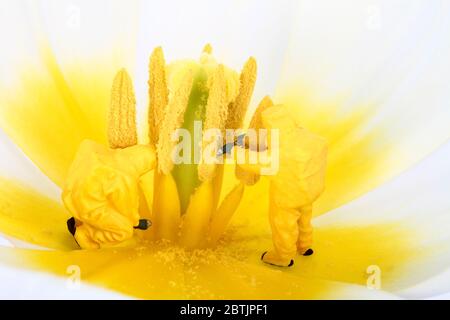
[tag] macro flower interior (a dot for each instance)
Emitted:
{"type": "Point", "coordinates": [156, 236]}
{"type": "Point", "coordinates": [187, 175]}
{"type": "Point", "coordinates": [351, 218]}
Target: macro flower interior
{"type": "Point", "coordinates": [369, 77]}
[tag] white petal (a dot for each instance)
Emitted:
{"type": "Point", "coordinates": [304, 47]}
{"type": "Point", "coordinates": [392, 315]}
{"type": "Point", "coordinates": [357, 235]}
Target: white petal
{"type": "Point", "coordinates": [235, 29]}
{"type": "Point", "coordinates": [22, 284]}
{"type": "Point", "coordinates": [417, 200]}
{"type": "Point", "coordinates": [4, 242]}
{"type": "Point", "coordinates": [390, 56]}
{"type": "Point", "coordinates": [15, 165]}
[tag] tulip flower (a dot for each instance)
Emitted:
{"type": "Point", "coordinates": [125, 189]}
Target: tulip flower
{"type": "Point", "coordinates": [371, 77]}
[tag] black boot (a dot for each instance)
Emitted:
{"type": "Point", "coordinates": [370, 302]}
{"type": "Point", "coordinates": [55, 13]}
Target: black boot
{"type": "Point", "coordinates": [144, 224]}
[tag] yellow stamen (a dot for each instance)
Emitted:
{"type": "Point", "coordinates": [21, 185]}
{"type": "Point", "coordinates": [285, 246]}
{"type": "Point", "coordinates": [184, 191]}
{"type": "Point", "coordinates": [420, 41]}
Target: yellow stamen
{"type": "Point", "coordinates": [216, 116]}
{"type": "Point", "coordinates": [196, 220]}
{"type": "Point", "coordinates": [122, 131]}
{"type": "Point", "coordinates": [166, 207]}
{"type": "Point", "coordinates": [223, 215]}
{"type": "Point", "coordinates": [216, 109]}
{"type": "Point", "coordinates": [158, 92]}
{"type": "Point", "coordinates": [248, 178]}
{"type": "Point", "coordinates": [145, 203]}
{"type": "Point", "coordinates": [238, 108]}
{"type": "Point", "coordinates": [173, 119]}
{"type": "Point", "coordinates": [217, 184]}
{"type": "Point", "coordinates": [207, 48]}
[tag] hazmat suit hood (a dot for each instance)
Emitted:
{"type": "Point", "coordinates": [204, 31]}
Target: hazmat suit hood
{"type": "Point", "coordinates": [278, 117]}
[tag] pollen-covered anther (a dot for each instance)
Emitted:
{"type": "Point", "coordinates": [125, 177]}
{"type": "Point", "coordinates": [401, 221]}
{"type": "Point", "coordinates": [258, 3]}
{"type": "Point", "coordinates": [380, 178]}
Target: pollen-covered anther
{"type": "Point", "coordinates": [158, 92]}
{"type": "Point", "coordinates": [238, 108]}
{"type": "Point", "coordinates": [216, 116]}
{"type": "Point", "coordinates": [172, 120]}
{"type": "Point", "coordinates": [122, 130]}
{"type": "Point", "coordinates": [208, 48]}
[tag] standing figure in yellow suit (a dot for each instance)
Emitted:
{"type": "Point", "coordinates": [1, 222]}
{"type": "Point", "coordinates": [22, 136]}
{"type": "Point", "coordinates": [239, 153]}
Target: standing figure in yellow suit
{"type": "Point", "coordinates": [299, 181]}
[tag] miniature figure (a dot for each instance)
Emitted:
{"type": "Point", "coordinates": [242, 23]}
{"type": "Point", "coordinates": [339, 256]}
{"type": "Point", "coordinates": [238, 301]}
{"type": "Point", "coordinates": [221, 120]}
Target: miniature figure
{"type": "Point", "coordinates": [298, 182]}
{"type": "Point", "coordinates": [101, 193]}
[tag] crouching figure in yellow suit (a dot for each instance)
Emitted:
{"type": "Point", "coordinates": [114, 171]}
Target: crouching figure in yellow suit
{"type": "Point", "coordinates": [101, 193]}
{"type": "Point", "coordinates": [298, 182]}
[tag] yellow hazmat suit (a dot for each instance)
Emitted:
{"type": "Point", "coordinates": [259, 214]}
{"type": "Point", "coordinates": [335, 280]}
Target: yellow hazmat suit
{"type": "Point", "coordinates": [294, 187]}
{"type": "Point", "coordinates": [101, 192]}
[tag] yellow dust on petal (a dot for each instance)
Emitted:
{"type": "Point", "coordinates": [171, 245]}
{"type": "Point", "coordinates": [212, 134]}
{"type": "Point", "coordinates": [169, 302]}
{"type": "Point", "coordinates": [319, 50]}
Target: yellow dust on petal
{"type": "Point", "coordinates": [49, 113]}
{"type": "Point", "coordinates": [357, 159]}
{"type": "Point", "coordinates": [165, 272]}
{"type": "Point", "coordinates": [30, 217]}
{"type": "Point", "coordinates": [338, 269]}
{"type": "Point", "coordinates": [232, 270]}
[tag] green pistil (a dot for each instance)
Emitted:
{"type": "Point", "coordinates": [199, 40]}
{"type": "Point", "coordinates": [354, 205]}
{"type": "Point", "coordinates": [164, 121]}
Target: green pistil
{"type": "Point", "coordinates": [186, 175]}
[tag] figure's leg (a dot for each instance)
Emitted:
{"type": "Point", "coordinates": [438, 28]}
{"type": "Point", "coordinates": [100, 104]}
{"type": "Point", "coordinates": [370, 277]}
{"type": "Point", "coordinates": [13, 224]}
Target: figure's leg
{"type": "Point", "coordinates": [305, 231]}
{"type": "Point", "coordinates": [284, 235]}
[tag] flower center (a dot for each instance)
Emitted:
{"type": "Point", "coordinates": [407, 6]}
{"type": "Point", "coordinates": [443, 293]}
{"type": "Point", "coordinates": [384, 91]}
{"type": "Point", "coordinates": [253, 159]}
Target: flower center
{"type": "Point", "coordinates": [185, 174]}
{"type": "Point", "coordinates": [185, 207]}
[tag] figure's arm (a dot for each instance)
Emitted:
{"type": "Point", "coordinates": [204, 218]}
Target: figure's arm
{"type": "Point", "coordinates": [252, 158]}
{"type": "Point", "coordinates": [137, 160]}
